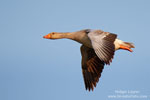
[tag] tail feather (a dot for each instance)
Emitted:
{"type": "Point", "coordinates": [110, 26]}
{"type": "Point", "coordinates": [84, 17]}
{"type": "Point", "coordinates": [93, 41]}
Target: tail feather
{"type": "Point", "coordinates": [129, 45]}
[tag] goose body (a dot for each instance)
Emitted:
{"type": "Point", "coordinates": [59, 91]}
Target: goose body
{"type": "Point", "coordinates": [97, 49]}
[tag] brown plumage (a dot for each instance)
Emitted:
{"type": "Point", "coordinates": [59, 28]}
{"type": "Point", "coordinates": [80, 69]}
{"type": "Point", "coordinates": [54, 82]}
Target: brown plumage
{"type": "Point", "coordinates": [92, 67]}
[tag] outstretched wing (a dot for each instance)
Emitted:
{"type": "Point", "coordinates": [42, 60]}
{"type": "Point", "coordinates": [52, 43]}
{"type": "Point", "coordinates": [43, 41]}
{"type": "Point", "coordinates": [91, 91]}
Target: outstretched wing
{"type": "Point", "coordinates": [92, 67]}
{"type": "Point", "coordinates": [103, 44]}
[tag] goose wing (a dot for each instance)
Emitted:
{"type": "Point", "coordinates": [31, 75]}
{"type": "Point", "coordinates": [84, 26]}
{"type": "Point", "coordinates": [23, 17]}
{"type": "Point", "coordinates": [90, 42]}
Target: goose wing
{"type": "Point", "coordinates": [103, 44]}
{"type": "Point", "coordinates": [92, 67]}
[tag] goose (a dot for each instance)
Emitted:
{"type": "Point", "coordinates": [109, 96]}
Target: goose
{"type": "Point", "coordinates": [97, 49]}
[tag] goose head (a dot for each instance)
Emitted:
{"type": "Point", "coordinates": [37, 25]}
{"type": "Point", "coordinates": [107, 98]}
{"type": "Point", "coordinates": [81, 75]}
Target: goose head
{"type": "Point", "coordinates": [53, 35]}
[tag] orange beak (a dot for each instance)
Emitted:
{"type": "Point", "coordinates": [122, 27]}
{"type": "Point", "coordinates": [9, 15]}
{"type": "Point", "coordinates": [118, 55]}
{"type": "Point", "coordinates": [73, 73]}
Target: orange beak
{"type": "Point", "coordinates": [47, 36]}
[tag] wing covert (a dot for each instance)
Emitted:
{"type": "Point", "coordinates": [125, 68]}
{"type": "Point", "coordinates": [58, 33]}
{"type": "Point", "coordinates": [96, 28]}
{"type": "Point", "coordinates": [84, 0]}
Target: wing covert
{"type": "Point", "coordinates": [103, 44]}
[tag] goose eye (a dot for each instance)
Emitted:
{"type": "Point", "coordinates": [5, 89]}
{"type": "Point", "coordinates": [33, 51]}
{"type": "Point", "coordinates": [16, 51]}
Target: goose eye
{"type": "Point", "coordinates": [53, 33]}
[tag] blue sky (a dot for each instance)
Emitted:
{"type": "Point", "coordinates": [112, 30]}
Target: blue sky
{"type": "Point", "coordinates": [33, 68]}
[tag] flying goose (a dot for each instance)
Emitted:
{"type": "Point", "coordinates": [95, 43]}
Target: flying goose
{"type": "Point", "coordinates": [97, 49]}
